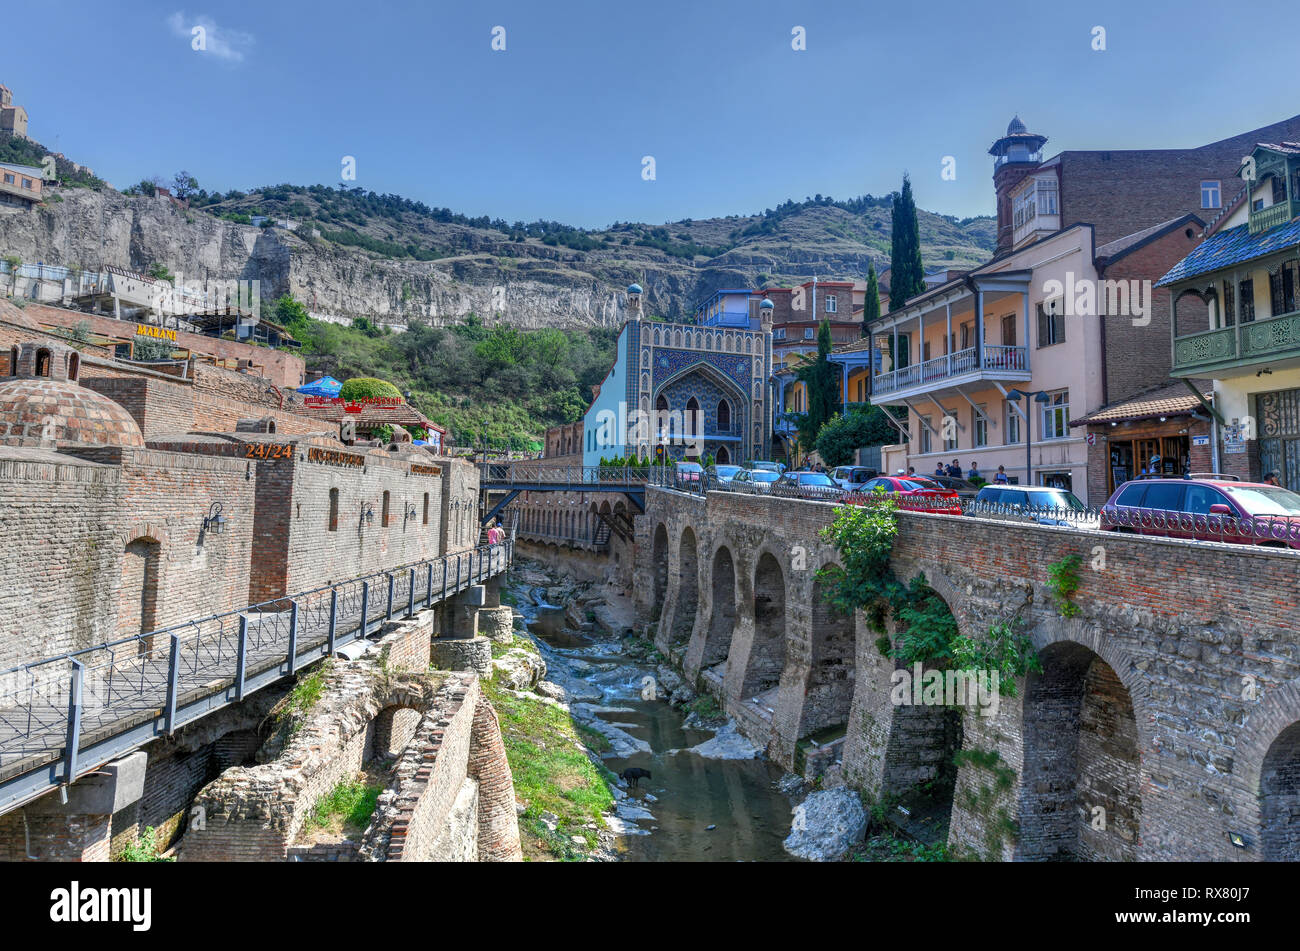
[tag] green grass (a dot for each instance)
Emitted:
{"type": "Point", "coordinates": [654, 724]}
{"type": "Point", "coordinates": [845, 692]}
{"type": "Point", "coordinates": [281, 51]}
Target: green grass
{"type": "Point", "coordinates": [305, 695]}
{"type": "Point", "coordinates": [706, 706]}
{"type": "Point", "coordinates": [551, 774]}
{"type": "Point", "coordinates": [888, 848]}
{"type": "Point", "coordinates": [144, 850]}
{"type": "Point", "coordinates": [348, 806]}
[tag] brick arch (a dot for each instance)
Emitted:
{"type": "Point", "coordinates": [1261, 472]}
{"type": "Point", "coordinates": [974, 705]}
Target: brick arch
{"type": "Point", "coordinates": [1278, 711]}
{"type": "Point", "coordinates": [686, 603]}
{"type": "Point", "coordinates": [659, 566]}
{"type": "Point", "coordinates": [139, 529]}
{"type": "Point", "coordinates": [770, 602]}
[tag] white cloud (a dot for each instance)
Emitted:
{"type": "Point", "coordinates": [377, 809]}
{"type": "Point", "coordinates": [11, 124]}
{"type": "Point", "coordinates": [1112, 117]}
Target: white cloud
{"type": "Point", "coordinates": [222, 42]}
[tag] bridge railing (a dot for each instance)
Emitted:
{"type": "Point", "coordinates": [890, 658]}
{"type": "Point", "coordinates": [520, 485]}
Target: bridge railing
{"type": "Point", "coordinates": [47, 705]}
{"type": "Point", "coordinates": [535, 472]}
{"type": "Point", "coordinates": [1281, 531]}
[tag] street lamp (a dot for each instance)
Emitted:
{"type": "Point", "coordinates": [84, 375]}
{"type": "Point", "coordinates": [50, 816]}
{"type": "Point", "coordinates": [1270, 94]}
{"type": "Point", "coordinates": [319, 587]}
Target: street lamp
{"type": "Point", "coordinates": [1041, 397]}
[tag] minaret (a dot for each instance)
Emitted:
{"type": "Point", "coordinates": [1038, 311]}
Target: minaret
{"type": "Point", "coordinates": [1016, 155]}
{"type": "Point", "coordinates": [634, 302]}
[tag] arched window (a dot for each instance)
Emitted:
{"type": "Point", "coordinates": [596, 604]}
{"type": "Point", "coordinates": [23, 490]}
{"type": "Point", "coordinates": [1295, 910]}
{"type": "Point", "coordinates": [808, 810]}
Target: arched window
{"type": "Point", "coordinates": [426, 508]}
{"type": "Point", "coordinates": [661, 414]}
{"type": "Point", "coordinates": [384, 515]}
{"type": "Point", "coordinates": [74, 366]}
{"type": "Point", "coordinates": [691, 425]}
{"type": "Point", "coordinates": [13, 361]}
{"type": "Point", "coordinates": [42, 362]}
{"type": "Point", "coordinates": [724, 416]}
{"type": "Point", "coordinates": [334, 510]}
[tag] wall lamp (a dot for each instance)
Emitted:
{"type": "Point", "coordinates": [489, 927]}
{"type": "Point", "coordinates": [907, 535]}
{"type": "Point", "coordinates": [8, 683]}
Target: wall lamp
{"type": "Point", "coordinates": [367, 514]}
{"type": "Point", "coordinates": [1239, 840]}
{"type": "Point", "coordinates": [215, 522]}
{"type": "Point", "coordinates": [410, 513]}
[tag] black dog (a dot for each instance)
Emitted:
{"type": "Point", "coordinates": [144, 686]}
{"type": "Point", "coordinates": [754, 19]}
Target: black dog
{"type": "Point", "coordinates": [634, 775]}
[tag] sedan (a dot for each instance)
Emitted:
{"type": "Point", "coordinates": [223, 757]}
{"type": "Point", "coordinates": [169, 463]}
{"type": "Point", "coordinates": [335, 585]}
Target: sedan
{"type": "Point", "coordinates": [809, 485]}
{"type": "Point", "coordinates": [1244, 513]}
{"type": "Point", "coordinates": [759, 481]}
{"type": "Point", "coordinates": [721, 474]}
{"type": "Point", "coordinates": [912, 493]}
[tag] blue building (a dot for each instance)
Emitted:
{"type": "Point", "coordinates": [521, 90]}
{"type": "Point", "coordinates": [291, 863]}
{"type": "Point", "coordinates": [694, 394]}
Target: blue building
{"type": "Point", "coordinates": [687, 390]}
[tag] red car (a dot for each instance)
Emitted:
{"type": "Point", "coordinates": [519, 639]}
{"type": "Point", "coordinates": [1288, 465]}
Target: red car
{"type": "Point", "coordinates": [1243, 513]}
{"type": "Point", "coordinates": [913, 494]}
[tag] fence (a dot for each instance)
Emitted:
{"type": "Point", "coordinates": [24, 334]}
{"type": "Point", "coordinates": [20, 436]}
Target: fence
{"type": "Point", "coordinates": [62, 716]}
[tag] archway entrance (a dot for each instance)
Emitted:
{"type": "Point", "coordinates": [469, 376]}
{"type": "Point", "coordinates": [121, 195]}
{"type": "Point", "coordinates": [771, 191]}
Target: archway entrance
{"type": "Point", "coordinates": [1279, 792]}
{"type": "Point", "coordinates": [660, 590]}
{"type": "Point", "coordinates": [688, 590]}
{"type": "Point", "coordinates": [1080, 794]}
{"type": "Point", "coordinates": [137, 611]}
{"type": "Point", "coordinates": [767, 653]}
{"type": "Point", "coordinates": [722, 619]}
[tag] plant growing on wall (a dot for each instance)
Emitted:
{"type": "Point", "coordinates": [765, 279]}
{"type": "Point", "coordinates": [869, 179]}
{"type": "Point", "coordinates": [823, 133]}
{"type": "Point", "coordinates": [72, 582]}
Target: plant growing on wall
{"type": "Point", "coordinates": [1063, 582]}
{"type": "Point", "coordinates": [1005, 648]}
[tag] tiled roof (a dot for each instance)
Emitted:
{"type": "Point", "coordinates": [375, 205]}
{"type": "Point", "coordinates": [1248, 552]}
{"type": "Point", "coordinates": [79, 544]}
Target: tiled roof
{"type": "Point", "coordinates": [1120, 245]}
{"type": "Point", "coordinates": [1233, 246]}
{"type": "Point", "coordinates": [1286, 148]}
{"type": "Point", "coordinates": [1173, 400]}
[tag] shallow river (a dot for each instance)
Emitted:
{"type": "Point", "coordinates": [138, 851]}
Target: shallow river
{"type": "Point", "coordinates": [668, 818]}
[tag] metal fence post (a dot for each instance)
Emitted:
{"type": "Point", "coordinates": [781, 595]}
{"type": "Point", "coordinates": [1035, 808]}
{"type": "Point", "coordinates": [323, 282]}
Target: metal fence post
{"type": "Point", "coordinates": [173, 683]}
{"type": "Point", "coordinates": [293, 636]}
{"type": "Point", "coordinates": [334, 622]}
{"type": "Point", "coordinates": [241, 659]}
{"type": "Point", "coordinates": [365, 608]}
{"type": "Point", "coordinates": [428, 587]}
{"type": "Point", "coordinates": [410, 596]}
{"type": "Point", "coordinates": [445, 565]}
{"type": "Point", "coordinates": [73, 739]}
{"type": "Point", "coordinates": [388, 612]}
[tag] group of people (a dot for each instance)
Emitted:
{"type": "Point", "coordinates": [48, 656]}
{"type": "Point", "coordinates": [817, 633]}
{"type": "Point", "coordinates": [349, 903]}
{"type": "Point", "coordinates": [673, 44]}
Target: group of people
{"type": "Point", "coordinates": [495, 533]}
{"type": "Point", "coordinates": [954, 470]}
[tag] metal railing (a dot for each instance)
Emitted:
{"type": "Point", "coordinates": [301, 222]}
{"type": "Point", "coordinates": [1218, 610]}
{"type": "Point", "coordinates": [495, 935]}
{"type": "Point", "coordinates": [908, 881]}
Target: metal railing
{"type": "Point", "coordinates": [62, 716]}
{"type": "Point", "coordinates": [539, 473]}
{"type": "Point", "coordinates": [1276, 530]}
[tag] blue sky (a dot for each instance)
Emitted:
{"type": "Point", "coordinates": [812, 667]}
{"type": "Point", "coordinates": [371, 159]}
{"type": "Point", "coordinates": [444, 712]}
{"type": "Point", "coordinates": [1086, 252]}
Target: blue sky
{"type": "Point", "coordinates": [556, 125]}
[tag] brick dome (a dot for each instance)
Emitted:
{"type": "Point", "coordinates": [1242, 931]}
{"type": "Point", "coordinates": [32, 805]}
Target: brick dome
{"type": "Point", "coordinates": [38, 411]}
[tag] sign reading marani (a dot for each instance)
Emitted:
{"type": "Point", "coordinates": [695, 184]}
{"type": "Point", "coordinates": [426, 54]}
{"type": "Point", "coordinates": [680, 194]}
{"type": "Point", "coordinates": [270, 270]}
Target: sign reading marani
{"type": "Point", "coordinates": [146, 330]}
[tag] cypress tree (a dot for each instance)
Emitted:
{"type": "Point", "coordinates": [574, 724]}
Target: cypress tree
{"type": "Point", "coordinates": [871, 306]}
{"type": "Point", "coordinates": [906, 275]}
{"type": "Point", "coordinates": [819, 378]}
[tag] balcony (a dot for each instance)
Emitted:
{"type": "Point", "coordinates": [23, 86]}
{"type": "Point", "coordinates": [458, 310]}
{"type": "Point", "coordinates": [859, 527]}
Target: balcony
{"type": "Point", "coordinates": [963, 366]}
{"type": "Point", "coordinates": [1276, 214]}
{"type": "Point", "coordinates": [1213, 351]}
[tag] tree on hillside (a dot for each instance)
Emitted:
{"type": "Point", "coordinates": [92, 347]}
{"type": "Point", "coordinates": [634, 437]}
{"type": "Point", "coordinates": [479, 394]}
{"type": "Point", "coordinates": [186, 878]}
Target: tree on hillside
{"type": "Point", "coordinates": [290, 313]}
{"type": "Point", "coordinates": [871, 305]}
{"type": "Point", "coordinates": [819, 377]}
{"type": "Point", "coordinates": [906, 275]}
{"type": "Point", "coordinates": [184, 185]}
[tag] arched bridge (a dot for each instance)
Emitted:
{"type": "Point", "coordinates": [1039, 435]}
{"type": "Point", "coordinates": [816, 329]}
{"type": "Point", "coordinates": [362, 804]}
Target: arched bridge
{"type": "Point", "coordinates": [507, 479]}
{"type": "Point", "coordinates": [1164, 723]}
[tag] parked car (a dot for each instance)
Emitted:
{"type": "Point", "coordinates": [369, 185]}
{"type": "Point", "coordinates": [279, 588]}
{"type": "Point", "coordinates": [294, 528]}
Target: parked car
{"type": "Point", "coordinates": [777, 467]}
{"type": "Point", "coordinates": [912, 493]}
{"type": "Point", "coordinates": [758, 481]}
{"type": "Point", "coordinates": [853, 478]}
{"type": "Point", "coordinates": [1245, 513]}
{"type": "Point", "coordinates": [809, 485]}
{"type": "Point", "coordinates": [687, 474]}
{"type": "Point", "coordinates": [964, 488]}
{"type": "Point", "coordinates": [721, 474]}
{"type": "Point", "coordinates": [1045, 504]}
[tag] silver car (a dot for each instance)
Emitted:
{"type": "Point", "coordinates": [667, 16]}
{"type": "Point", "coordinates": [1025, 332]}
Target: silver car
{"type": "Point", "coordinates": [1038, 503]}
{"type": "Point", "coordinates": [758, 481]}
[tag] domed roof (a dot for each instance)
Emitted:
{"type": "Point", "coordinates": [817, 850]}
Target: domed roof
{"type": "Point", "coordinates": [13, 315]}
{"type": "Point", "coordinates": [1016, 127]}
{"type": "Point", "coordinates": [766, 304]}
{"type": "Point", "coordinates": [634, 288]}
{"type": "Point", "coordinates": [42, 411]}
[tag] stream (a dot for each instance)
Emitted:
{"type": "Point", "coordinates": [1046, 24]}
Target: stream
{"type": "Point", "coordinates": [700, 804]}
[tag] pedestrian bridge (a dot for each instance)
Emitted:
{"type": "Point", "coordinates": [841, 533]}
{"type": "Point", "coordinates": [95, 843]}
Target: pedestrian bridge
{"type": "Point", "coordinates": [1164, 724]}
{"type": "Point", "coordinates": [64, 717]}
{"type": "Point", "coordinates": [508, 479]}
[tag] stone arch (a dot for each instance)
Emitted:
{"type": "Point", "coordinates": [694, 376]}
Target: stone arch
{"type": "Point", "coordinates": [722, 614]}
{"type": "Point", "coordinates": [1191, 311]}
{"type": "Point", "coordinates": [688, 589]}
{"type": "Point", "coordinates": [659, 591]}
{"type": "Point", "coordinates": [1263, 760]}
{"type": "Point", "coordinates": [391, 730]}
{"type": "Point", "coordinates": [1082, 746]}
{"type": "Point", "coordinates": [766, 657]}
{"type": "Point", "coordinates": [723, 457]}
{"type": "Point", "coordinates": [828, 686]}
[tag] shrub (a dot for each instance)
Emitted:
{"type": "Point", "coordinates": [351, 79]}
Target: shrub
{"type": "Point", "coordinates": [368, 387]}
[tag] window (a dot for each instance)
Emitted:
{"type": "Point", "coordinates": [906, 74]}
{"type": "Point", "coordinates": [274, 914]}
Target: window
{"type": "Point", "coordinates": [1279, 190]}
{"type": "Point", "coordinates": [27, 183]}
{"type": "Point", "coordinates": [1282, 288]}
{"type": "Point", "coordinates": [1164, 495]}
{"type": "Point", "coordinates": [691, 425]}
{"type": "Point", "coordinates": [1046, 193]}
{"type": "Point", "coordinates": [949, 426]}
{"type": "Point", "coordinates": [42, 362]}
{"type": "Point", "coordinates": [980, 425]}
{"type": "Point", "coordinates": [1200, 498]}
{"type": "Point", "coordinates": [1013, 425]}
{"type": "Point", "coordinates": [1229, 306]}
{"type": "Point", "coordinates": [383, 518]}
{"type": "Point", "coordinates": [724, 416]}
{"type": "Point", "coordinates": [809, 333]}
{"type": "Point", "coordinates": [9, 179]}
{"type": "Point", "coordinates": [1009, 330]}
{"type": "Point", "coordinates": [1056, 415]}
{"type": "Point", "coordinates": [334, 510]}
{"type": "Point", "coordinates": [1246, 294]}
{"type": "Point", "coordinates": [426, 508]}
{"type": "Point", "coordinates": [830, 303]}
{"type": "Point", "coordinates": [1051, 323]}
{"type": "Point", "coordinates": [1211, 193]}
{"type": "Point", "coordinates": [778, 333]}
{"type": "Point", "coordinates": [924, 434]}
{"type": "Point", "coordinates": [967, 336]}
{"type": "Point", "coordinates": [1132, 495]}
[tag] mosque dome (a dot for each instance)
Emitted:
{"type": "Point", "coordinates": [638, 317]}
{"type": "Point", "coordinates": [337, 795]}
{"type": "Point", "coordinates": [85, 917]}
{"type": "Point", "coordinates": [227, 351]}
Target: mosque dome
{"type": "Point", "coordinates": [43, 405]}
{"type": "Point", "coordinates": [634, 288]}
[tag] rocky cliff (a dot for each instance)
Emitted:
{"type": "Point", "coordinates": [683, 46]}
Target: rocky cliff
{"type": "Point", "coordinates": [515, 278]}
